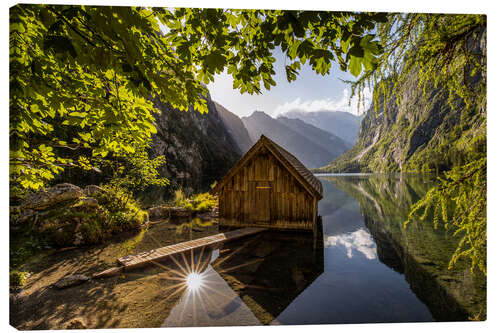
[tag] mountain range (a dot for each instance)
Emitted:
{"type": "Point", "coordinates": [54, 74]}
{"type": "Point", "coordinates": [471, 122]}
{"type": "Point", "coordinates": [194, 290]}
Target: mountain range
{"type": "Point", "coordinates": [343, 124]}
{"type": "Point", "coordinates": [421, 133]}
{"type": "Point", "coordinates": [312, 146]}
{"type": "Point", "coordinates": [201, 148]}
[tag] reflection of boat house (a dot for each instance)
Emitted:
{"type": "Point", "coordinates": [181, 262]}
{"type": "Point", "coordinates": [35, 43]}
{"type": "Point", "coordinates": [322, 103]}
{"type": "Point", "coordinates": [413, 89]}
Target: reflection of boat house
{"type": "Point", "coordinates": [269, 187]}
{"type": "Point", "coordinates": [249, 281]}
{"type": "Point", "coordinates": [271, 270]}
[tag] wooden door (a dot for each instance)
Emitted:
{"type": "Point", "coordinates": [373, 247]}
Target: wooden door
{"type": "Point", "coordinates": [261, 202]}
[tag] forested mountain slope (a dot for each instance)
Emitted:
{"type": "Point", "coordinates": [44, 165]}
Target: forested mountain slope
{"type": "Point", "coordinates": [198, 147]}
{"type": "Point", "coordinates": [422, 133]}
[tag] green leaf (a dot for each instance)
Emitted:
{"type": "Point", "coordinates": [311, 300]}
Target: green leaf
{"type": "Point", "coordinates": [355, 65]}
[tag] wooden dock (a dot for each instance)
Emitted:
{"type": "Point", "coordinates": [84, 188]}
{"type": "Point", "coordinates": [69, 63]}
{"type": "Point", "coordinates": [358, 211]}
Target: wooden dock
{"type": "Point", "coordinates": [164, 252]}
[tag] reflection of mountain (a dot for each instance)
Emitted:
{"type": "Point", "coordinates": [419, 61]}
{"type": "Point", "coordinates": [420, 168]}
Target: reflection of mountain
{"type": "Point", "coordinates": [419, 251]}
{"type": "Point", "coordinates": [270, 273]}
{"type": "Point", "coordinates": [339, 211]}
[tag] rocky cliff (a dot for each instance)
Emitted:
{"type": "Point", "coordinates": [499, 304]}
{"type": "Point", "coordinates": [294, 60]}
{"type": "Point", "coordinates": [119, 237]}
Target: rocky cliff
{"type": "Point", "coordinates": [235, 127]}
{"type": "Point", "coordinates": [420, 133]}
{"type": "Point", "coordinates": [199, 148]}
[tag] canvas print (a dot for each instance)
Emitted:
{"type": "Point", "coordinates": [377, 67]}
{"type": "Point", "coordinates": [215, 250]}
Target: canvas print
{"type": "Point", "coordinates": [225, 167]}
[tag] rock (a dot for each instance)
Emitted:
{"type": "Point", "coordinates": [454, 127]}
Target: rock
{"type": "Point", "coordinates": [76, 323]}
{"type": "Point", "coordinates": [205, 216]}
{"type": "Point", "coordinates": [90, 190]}
{"type": "Point", "coordinates": [70, 281]}
{"type": "Point", "coordinates": [44, 199]}
{"type": "Point", "coordinates": [177, 212]}
{"type": "Point", "coordinates": [26, 214]}
{"type": "Point", "coordinates": [165, 212]}
{"type": "Point", "coordinates": [18, 216]}
{"type": "Point", "coordinates": [158, 212]}
{"type": "Point", "coordinates": [89, 202]}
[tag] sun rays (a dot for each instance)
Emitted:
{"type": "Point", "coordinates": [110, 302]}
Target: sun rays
{"type": "Point", "coordinates": [192, 279]}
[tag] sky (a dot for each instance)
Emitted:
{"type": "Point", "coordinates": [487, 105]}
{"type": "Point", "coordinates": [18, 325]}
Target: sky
{"type": "Point", "coordinates": [309, 92]}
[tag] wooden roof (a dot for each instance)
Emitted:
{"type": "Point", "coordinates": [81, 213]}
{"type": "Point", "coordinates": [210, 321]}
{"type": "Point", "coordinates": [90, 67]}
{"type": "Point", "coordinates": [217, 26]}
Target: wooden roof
{"type": "Point", "coordinates": [291, 163]}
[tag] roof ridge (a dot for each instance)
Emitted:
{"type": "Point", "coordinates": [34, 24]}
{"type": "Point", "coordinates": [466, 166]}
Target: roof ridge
{"type": "Point", "coordinates": [296, 164]}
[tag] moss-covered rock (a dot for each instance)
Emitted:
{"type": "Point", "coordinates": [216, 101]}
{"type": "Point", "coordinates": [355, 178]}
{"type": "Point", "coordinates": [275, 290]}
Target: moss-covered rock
{"type": "Point", "coordinates": [67, 215]}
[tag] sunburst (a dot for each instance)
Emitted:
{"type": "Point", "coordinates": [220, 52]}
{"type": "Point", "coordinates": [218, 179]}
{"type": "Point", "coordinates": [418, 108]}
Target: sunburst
{"type": "Point", "coordinates": [187, 276]}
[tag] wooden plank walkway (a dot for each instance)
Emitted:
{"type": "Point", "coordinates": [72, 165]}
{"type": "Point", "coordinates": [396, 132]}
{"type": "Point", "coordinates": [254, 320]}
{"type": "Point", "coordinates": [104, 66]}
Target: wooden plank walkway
{"type": "Point", "coordinates": [164, 252]}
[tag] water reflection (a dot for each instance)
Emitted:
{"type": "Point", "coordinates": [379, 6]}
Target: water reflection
{"type": "Point", "coordinates": [355, 286]}
{"type": "Point", "coordinates": [359, 240]}
{"type": "Point", "coordinates": [365, 268]}
{"type": "Point", "coordinates": [250, 282]}
{"type": "Point", "coordinates": [420, 252]}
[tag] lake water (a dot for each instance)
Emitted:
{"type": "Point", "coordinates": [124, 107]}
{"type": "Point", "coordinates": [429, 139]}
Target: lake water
{"type": "Point", "coordinates": [364, 267]}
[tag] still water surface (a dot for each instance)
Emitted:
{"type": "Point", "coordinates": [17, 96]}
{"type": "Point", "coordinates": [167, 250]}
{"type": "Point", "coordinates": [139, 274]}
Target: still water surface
{"type": "Point", "coordinates": [363, 268]}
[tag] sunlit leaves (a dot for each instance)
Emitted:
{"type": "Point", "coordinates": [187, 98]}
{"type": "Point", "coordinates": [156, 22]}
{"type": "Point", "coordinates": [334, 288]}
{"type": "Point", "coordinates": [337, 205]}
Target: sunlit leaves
{"type": "Point", "coordinates": [462, 194]}
{"type": "Point", "coordinates": [241, 41]}
{"type": "Point", "coordinates": [355, 65]}
{"type": "Point", "coordinates": [86, 75]}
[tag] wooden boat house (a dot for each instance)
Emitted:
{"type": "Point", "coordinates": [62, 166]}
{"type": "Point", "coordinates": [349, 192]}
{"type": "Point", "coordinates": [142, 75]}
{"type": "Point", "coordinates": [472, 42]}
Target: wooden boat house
{"type": "Point", "coordinates": [269, 187]}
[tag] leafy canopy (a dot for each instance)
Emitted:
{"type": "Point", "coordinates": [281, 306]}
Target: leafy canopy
{"type": "Point", "coordinates": [447, 51]}
{"type": "Point", "coordinates": [82, 79]}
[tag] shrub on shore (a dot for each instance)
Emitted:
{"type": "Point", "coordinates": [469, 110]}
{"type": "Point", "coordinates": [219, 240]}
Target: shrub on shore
{"type": "Point", "coordinates": [199, 203]}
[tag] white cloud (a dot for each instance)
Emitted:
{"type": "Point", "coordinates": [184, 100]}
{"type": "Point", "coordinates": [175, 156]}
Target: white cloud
{"type": "Point", "coordinates": [360, 240]}
{"type": "Point", "coordinates": [327, 104]}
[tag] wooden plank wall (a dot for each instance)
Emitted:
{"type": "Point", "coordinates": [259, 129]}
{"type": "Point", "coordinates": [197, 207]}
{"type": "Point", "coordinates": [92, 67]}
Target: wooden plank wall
{"type": "Point", "coordinates": [265, 185]}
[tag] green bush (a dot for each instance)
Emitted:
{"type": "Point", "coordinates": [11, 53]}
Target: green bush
{"type": "Point", "coordinates": [117, 211]}
{"type": "Point", "coordinates": [202, 202]}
